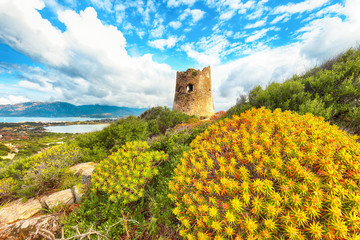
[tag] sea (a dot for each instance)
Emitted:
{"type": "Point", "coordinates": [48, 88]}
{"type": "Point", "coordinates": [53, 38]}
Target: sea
{"type": "Point", "coordinates": [44, 119]}
{"type": "Point", "coordinates": [78, 128]}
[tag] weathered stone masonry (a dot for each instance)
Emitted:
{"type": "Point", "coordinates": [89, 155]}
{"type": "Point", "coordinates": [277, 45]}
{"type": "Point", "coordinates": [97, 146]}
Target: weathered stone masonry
{"type": "Point", "coordinates": [193, 92]}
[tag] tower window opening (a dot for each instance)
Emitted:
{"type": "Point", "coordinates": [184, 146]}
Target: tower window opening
{"type": "Point", "coordinates": [190, 88]}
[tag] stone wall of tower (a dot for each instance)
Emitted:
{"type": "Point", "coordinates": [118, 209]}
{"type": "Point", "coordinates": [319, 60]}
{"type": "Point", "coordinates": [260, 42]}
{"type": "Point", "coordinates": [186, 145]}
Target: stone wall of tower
{"type": "Point", "coordinates": [193, 92]}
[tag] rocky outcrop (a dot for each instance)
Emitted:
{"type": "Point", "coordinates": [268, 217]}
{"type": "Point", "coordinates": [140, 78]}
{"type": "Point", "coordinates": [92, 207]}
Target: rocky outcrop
{"type": "Point", "coordinates": [21, 219]}
{"type": "Point", "coordinates": [19, 210]}
{"type": "Point", "coordinates": [28, 227]}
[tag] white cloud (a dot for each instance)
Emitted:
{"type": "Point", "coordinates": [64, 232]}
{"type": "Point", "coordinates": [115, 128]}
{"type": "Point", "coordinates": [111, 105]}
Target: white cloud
{"type": "Point", "coordinates": [257, 35]}
{"type": "Point", "coordinates": [196, 14]}
{"type": "Point", "coordinates": [284, 18]}
{"type": "Point", "coordinates": [336, 8]}
{"type": "Point", "coordinates": [227, 15]}
{"type": "Point", "coordinates": [208, 51]}
{"type": "Point", "coordinates": [149, 9]}
{"type": "Point", "coordinates": [163, 43]}
{"type": "Point", "coordinates": [13, 100]}
{"type": "Point", "coordinates": [240, 76]}
{"type": "Point", "coordinates": [239, 35]}
{"type": "Point", "coordinates": [119, 12]}
{"type": "Point", "coordinates": [36, 30]}
{"type": "Point", "coordinates": [157, 32]}
{"type": "Point", "coordinates": [87, 63]}
{"type": "Point", "coordinates": [307, 5]}
{"type": "Point", "coordinates": [103, 4]}
{"type": "Point", "coordinates": [175, 24]}
{"type": "Point", "coordinates": [202, 58]}
{"type": "Point", "coordinates": [237, 5]}
{"type": "Point", "coordinates": [318, 41]}
{"type": "Point", "coordinates": [140, 33]}
{"type": "Point", "coordinates": [255, 25]}
{"type": "Point", "coordinates": [176, 3]}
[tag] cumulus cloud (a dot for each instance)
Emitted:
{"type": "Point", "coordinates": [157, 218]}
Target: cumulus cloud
{"type": "Point", "coordinates": [239, 6]}
{"type": "Point", "coordinates": [307, 5]}
{"type": "Point", "coordinates": [87, 63]}
{"type": "Point", "coordinates": [196, 14]}
{"type": "Point", "coordinates": [103, 4]}
{"type": "Point", "coordinates": [164, 43]}
{"type": "Point", "coordinates": [321, 39]}
{"type": "Point", "coordinates": [176, 3]}
{"type": "Point", "coordinates": [157, 32]}
{"type": "Point", "coordinates": [238, 77]}
{"type": "Point", "coordinates": [175, 24]}
{"type": "Point", "coordinates": [207, 51]}
{"type": "Point", "coordinates": [13, 100]}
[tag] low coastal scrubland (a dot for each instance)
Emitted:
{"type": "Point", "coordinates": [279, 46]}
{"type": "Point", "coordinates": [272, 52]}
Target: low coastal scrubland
{"type": "Point", "coordinates": [277, 165]}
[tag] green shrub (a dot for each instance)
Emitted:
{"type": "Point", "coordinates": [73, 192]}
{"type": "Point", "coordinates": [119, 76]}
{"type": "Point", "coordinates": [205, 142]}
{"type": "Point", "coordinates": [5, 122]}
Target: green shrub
{"type": "Point", "coordinates": [152, 212]}
{"type": "Point", "coordinates": [49, 168]}
{"type": "Point", "coordinates": [269, 175]}
{"type": "Point", "coordinates": [124, 173]}
{"type": "Point", "coordinates": [331, 91]}
{"type": "Point", "coordinates": [98, 213]}
{"type": "Point", "coordinates": [4, 150]}
{"type": "Point", "coordinates": [115, 135]}
{"type": "Point", "coordinates": [17, 168]}
{"type": "Point", "coordinates": [161, 119]}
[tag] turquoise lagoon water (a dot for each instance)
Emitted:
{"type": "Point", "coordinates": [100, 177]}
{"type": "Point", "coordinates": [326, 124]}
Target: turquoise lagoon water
{"type": "Point", "coordinates": [81, 128]}
{"type": "Point", "coordinates": [44, 119]}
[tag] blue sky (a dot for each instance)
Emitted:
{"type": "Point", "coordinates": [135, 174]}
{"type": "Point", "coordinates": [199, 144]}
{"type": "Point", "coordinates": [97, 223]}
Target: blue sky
{"type": "Point", "coordinates": [126, 53]}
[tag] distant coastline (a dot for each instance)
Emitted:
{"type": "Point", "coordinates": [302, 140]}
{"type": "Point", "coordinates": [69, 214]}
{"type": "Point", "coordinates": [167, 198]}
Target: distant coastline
{"type": "Point", "coordinates": [49, 119]}
{"type": "Point", "coordinates": [65, 110]}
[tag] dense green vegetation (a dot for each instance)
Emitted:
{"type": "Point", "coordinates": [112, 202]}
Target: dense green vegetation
{"type": "Point", "coordinates": [269, 174]}
{"type": "Point", "coordinates": [331, 90]}
{"type": "Point", "coordinates": [37, 142]}
{"type": "Point", "coordinates": [149, 216]}
{"type": "Point", "coordinates": [166, 175]}
{"type": "Point", "coordinates": [4, 150]}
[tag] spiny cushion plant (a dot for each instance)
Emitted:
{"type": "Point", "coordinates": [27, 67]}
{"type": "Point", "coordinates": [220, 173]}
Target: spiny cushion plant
{"type": "Point", "coordinates": [269, 175]}
{"type": "Point", "coordinates": [124, 173]}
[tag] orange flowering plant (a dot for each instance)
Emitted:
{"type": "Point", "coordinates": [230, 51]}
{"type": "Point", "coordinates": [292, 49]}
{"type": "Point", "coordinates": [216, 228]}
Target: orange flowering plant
{"type": "Point", "coordinates": [269, 175]}
{"type": "Point", "coordinates": [124, 173]}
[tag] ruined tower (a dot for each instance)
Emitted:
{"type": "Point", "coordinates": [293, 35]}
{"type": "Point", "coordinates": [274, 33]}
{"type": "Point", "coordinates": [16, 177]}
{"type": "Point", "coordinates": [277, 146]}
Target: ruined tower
{"type": "Point", "coordinates": [193, 92]}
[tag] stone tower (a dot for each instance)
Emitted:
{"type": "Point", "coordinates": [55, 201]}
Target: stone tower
{"type": "Point", "coordinates": [193, 92]}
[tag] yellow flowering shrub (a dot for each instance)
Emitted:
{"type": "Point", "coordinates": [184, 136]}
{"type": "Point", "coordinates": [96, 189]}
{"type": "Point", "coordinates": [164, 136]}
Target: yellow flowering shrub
{"type": "Point", "coordinates": [124, 173]}
{"type": "Point", "coordinates": [269, 175]}
{"type": "Point", "coordinates": [7, 187]}
{"type": "Point", "coordinates": [49, 167]}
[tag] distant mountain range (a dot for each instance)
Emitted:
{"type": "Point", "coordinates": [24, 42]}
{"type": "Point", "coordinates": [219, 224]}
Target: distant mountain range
{"type": "Point", "coordinates": [63, 109]}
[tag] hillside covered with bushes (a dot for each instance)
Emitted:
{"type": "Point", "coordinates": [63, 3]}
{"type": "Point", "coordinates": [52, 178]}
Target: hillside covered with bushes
{"type": "Point", "coordinates": [258, 171]}
{"type": "Point", "coordinates": [331, 91]}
